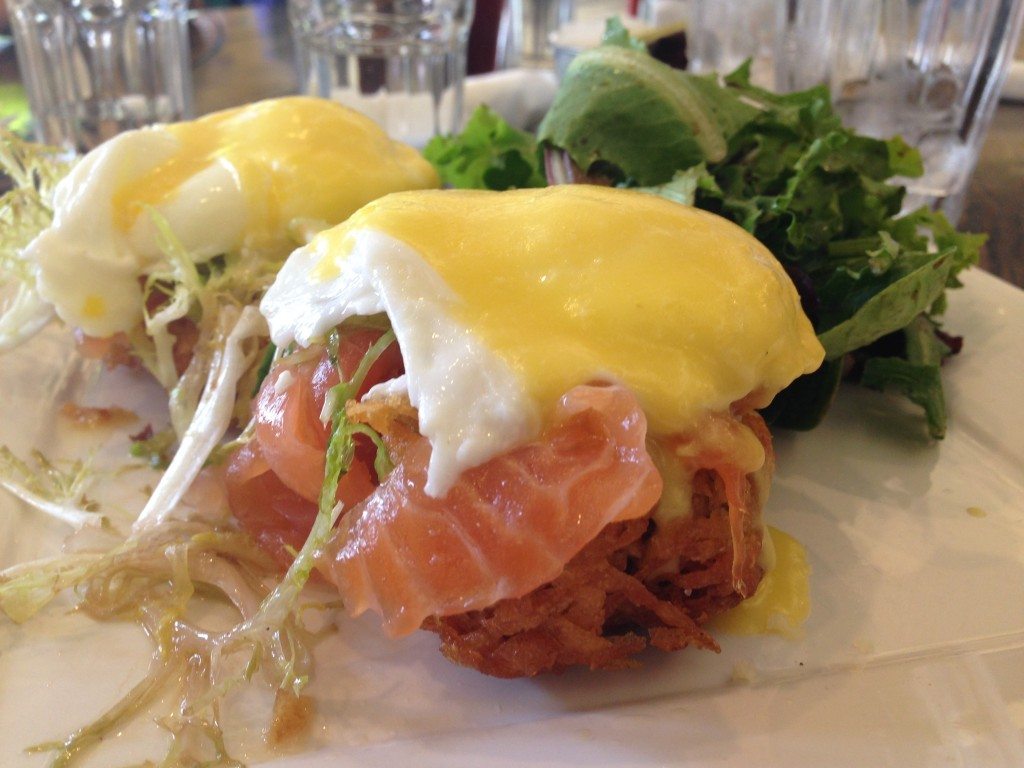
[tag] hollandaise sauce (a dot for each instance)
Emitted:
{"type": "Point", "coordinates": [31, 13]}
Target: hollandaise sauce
{"type": "Point", "coordinates": [250, 181]}
{"type": "Point", "coordinates": [292, 157]}
{"type": "Point", "coordinates": [503, 302]}
{"type": "Point", "coordinates": [782, 602]}
{"type": "Point", "coordinates": [689, 311]}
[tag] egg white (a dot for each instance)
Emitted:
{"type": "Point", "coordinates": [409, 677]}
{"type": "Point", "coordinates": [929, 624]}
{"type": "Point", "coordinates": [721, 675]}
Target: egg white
{"type": "Point", "coordinates": [472, 405]}
{"type": "Point", "coordinates": [83, 254]}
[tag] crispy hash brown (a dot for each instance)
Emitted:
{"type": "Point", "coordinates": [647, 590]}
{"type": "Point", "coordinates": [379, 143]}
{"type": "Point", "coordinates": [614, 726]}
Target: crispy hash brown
{"type": "Point", "coordinates": [654, 579]}
{"type": "Point", "coordinates": [636, 585]}
{"type": "Point", "coordinates": [639, 583]}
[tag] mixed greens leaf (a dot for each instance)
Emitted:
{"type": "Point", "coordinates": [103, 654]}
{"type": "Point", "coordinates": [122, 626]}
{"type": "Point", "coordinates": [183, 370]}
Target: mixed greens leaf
{"type": "Point", "coordinates": [785, 168]}
{"type": "Point", "coordinates": [488, 154]}
{"type": "Point", "coordinates": [817, 195]}
{"type": "Point", "coordinates": [637, 119]}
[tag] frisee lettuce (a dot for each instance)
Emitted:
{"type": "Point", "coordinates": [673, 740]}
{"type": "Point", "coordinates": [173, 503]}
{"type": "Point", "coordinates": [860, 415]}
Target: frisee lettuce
{"type": "Point", "coordinates": [25, 210]}
{"type": "Point", "coordinates": [27, 588]}
{"type": "Point", "coordinates": [152, 580]}
{"type": "Point", "coordinates": [53, 490]}
{"type": "Point", "coordinates": [176, 285]}
{"type": "Point", "coordinates": [262, 629]}
{"type": "Point", "coordinates": [182, 288]}
{"type": "Point", "coordinates": [153, 577]}
{"type": "Point", "coordinates": [343, 431]}
{"type": "Point", "coordinates": [235, 346]}
{"type": "Point", "coordinates": [155, 448]}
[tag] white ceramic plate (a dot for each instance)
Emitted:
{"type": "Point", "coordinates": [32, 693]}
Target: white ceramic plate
{"type": "Point", "coordinates": [913, 655]}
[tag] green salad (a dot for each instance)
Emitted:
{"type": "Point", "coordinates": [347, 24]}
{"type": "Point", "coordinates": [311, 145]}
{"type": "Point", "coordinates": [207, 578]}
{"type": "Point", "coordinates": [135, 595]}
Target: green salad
{"type": "Point", "coordinates": [819, 196]}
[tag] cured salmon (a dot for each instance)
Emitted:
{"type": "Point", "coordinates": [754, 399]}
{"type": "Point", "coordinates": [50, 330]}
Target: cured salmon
{"type": "Point", "coordinates": [506, 527]}
{"type": "Point", "coordinates": [484, 564]}
{"type": "Point", "coordinates": [274, 481]}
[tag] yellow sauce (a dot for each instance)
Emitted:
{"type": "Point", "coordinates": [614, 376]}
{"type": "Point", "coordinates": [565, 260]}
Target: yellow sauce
{"type": "Point", "coordinates": [294, 158]}
{"type": "Point", "coordinates": [687, 310]}
{"type": "Point", "coordinates": [94, 306]}
{"type": "Point", "coordinates": [782, 601]}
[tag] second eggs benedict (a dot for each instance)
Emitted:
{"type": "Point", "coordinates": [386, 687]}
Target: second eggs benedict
{"type": "Point", "coordinates": [236, 191]}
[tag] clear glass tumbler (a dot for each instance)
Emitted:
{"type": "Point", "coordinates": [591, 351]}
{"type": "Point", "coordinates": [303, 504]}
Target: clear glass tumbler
{"type": "Point", "coordinates": [722, 34]}
{"type": "Point", "coordinates": [495, 36]}
{"type": "Point", "coordinates": [94, 68]}
{"type": "Point", "coordinates": [401, 62]}
{"type": "Point", "coordinates": [542, 17]}
{"type": "Point", "coordinates": [928, 70]}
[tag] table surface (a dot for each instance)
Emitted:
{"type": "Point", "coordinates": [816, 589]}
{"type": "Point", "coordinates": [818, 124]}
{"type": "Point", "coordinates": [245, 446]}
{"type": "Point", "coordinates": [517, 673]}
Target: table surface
{"type": "Point", "coordinates": [245, 53]}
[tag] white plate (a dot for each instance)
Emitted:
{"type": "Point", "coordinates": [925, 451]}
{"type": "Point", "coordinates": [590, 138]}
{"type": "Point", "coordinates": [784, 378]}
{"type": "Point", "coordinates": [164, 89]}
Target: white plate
{"type": "Point", "coordinates": [913, 654]}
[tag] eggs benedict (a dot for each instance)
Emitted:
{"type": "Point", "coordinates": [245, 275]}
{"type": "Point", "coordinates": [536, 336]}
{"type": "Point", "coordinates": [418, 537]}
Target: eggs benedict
{"type": "Point", "coordinates": [568, 404]}
{"type": "Point", "coordinates": [176, 205]}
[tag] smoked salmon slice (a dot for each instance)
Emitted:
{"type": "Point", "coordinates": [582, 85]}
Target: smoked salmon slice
{"type": "Point", "coordinates": [506, 527]}
{"type": "Point", "coordinates": [292, 437]}
{"type": "Point", "coordinates": [274, 481]}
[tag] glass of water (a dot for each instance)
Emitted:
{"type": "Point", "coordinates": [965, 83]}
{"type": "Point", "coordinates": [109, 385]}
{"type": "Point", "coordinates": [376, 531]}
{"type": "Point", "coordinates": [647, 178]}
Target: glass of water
{"type": "Point", "coordinates": [928, 70]}
{"type": "Point", "coordinates": [722, 34]}
{"type": "Point", "coordinates": [401, 62]}
{"type": "Point", "coordinates": [94, 68]}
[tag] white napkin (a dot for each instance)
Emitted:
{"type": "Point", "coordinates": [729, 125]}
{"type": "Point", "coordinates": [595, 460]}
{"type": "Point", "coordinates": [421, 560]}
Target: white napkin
{"type": "Point", "coordinates": [521, 96]}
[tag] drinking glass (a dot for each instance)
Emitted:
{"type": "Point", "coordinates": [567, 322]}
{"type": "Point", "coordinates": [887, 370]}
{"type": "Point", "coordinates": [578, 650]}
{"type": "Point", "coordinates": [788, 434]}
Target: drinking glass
{"type": "Point", "coordinates": [722, 34]}
{"type": "Point", "coordinates": [495, 36]}
{"type": "Point", "coordinates": [401, 62]}
{"type": "Point", "coordinates": [94, 68]}
{"type": "Point", "coordinates": [544, 17]}
{"type": "Point", "coordinates": [928, 70]}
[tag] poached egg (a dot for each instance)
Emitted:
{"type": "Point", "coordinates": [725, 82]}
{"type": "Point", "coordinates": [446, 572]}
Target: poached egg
{"type": "Point", "coordinates": [250, 181]}
{"type": "Point", "coordinates": [502, 302]}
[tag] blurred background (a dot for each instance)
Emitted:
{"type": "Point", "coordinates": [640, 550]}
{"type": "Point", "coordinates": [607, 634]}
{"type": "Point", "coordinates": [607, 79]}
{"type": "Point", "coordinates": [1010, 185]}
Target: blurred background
{"type": "Point", "coordinates": [931, 70]}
